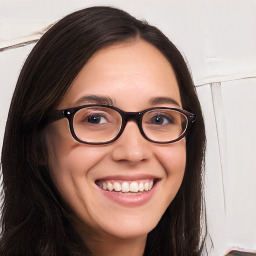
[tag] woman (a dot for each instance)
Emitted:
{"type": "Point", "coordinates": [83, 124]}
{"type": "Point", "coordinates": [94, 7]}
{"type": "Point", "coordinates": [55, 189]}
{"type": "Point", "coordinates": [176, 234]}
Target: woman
{"type": "Point", "coordinates": [95, 158]}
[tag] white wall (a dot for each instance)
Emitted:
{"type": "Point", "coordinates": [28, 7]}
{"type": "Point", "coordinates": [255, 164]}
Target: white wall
{"type": "Point", "coordinates": [218, 39]}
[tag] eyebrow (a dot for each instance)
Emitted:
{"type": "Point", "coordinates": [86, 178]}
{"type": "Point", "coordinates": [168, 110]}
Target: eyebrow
{"type": "Point", "coordinates": [163, 100]}
{"type": "Point", "coordinates": [94, 99]}
{"type": "Point", "coordinates": [104, 100]}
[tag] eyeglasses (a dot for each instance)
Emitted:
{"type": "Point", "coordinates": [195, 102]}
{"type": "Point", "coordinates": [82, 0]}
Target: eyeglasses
{"type": "Point", "coordinates": [102, 124]}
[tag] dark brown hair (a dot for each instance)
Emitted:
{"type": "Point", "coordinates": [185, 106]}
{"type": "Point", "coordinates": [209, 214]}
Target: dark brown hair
{"type": "Point", "coordinates": [34, 221]}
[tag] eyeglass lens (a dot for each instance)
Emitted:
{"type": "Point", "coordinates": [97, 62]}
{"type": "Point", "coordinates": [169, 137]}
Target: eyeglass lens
{"type": "Point", "coordinates": [102, 124]}
{"type": "Point", "coordinates": [164, 124]}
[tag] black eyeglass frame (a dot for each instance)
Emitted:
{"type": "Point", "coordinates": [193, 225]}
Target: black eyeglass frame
{"type": "Point", "coordinates": [69, 113]}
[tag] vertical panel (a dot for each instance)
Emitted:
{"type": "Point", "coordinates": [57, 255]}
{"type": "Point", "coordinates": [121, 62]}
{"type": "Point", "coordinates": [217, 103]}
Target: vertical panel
{"type": "Point", "coordinates": [240, 178]}
{"type": "Point", "coordinates": [214, 190]}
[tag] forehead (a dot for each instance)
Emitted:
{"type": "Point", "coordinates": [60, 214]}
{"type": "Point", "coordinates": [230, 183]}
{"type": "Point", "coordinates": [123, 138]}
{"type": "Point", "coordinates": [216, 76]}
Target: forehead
{"type": "Point", "coordinates": [136, 70]}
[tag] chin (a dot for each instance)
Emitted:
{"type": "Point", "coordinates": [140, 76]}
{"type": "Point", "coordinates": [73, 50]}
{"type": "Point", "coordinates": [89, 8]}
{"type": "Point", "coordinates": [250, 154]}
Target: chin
{"type": "Point", "coordinates": [125, 226]}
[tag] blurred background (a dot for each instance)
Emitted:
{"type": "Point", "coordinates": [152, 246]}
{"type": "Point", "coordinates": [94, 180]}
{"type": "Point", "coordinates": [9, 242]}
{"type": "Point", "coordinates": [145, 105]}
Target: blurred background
{"type": "Point", "coordinates": [218, 40]}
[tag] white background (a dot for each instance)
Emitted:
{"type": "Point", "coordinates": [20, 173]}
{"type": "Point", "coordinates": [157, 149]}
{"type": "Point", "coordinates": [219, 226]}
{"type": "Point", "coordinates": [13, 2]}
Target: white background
{"type": "Point", "coordinates": [218, 39]}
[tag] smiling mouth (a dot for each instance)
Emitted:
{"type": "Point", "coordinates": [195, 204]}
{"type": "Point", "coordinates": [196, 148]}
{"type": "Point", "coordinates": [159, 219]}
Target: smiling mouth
{"type": "Point", "coordinates": [130, 187]}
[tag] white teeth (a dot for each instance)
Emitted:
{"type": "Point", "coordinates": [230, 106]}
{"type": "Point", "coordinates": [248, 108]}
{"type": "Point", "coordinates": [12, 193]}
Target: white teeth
{"type": "Point", "coordinates": [146, 186]}
{"type": "Point", "coordinates": [134, 187]}
{"type": "Point", "coordinates": [117, 186]}
{"type": "Point", "coordinates": [141, 187]}
{"type": "Point", "coordinates": [109, 186]}
{"type": "Point", "coordinates": [126, 186]}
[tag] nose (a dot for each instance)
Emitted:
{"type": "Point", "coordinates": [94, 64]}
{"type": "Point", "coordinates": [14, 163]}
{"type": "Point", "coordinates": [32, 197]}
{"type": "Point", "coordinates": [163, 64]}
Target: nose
{"type": "Point", "coordinates": [131, 146]}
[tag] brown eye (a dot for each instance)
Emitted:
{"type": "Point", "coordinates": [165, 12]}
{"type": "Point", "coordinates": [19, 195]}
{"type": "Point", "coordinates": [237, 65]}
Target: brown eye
{"type": "Point", "coordinates": [96, 119]}
{"type": "Point", "coordinates": [161, 119]}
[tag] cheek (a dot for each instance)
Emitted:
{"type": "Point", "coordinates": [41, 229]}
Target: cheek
{"type": "Point", "coordinates": [70, 162]}
{"type": "Point", "coordinates": [173, 158]}
{"type": "Point", "coordinates": [67, 155]}
{"type": "Point", "coordinates": [70, 165]}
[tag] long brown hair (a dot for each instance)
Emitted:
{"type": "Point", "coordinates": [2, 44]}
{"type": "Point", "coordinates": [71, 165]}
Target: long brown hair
{"type": "Point", "coordinates": [34, 221]}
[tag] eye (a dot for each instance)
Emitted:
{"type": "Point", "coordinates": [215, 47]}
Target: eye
{"type": "Point", "coordinates": [96, 119]}
{"type": "Point", "coordinates": [161, 119]}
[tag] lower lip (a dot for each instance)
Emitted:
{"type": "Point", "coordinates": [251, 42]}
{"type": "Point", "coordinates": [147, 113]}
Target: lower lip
{"type": "Point", "coordinates": [130, 200]}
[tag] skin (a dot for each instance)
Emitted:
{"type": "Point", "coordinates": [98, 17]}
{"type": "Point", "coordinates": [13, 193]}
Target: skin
{"type": "Point", "coordinates": [131, 74]}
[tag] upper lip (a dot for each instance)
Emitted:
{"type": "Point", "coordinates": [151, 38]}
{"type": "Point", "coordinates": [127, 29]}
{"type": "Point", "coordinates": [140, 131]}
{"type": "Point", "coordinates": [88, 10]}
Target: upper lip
{"type": "Point", "coordinates": [129, 177]}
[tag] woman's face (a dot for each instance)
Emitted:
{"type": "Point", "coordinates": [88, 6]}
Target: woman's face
{"type": "Point", "coordinates": [133, 76]}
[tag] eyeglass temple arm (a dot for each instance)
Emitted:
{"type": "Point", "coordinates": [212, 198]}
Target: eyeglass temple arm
{"type": "Point", "coordinates": [193, 118]}
{"type": "Point", "coordinates": [53, 116]}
